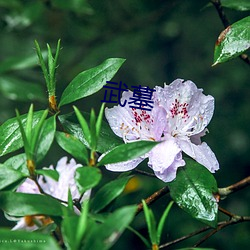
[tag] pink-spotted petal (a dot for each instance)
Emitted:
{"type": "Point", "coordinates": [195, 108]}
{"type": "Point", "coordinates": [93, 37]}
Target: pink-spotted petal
{"type": "Point", "coordinates": [201, 153]}
{"type": "Point", "coordinates": [165, 158]}
{"type": "Point", "coordinates": [189, 110]}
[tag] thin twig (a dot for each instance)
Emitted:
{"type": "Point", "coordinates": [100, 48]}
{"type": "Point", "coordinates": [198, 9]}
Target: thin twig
{"type": "Point", "coordinates": [204, 229]}
{"type": "Point", "coordinates": [222, 15]}
{"type": "Point", "coordinates": [42, 192]}
{"type": "Point", "coordinates": [226, 23]}
{"type": "Point", "coordinates": [144, 173]}
{"type": "Point", "coordinates": [235, 220]}
{"type": "Point", "coordinates": [152, 198]}
{"type": "Point", "coordinates": [224, 211]}
{"type": "Point", "coordinates": [223, 192]}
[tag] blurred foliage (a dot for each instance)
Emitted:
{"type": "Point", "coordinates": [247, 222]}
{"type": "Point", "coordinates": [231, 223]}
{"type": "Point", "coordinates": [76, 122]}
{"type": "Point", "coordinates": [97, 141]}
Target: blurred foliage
{"type": "Point", "coordinates": [161, 41]}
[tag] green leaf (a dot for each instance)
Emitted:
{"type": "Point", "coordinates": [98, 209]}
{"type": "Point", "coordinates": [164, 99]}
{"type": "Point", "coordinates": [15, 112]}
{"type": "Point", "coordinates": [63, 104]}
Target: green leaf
{"type": "Point", "coordinates": [20, 204]}
{"type": "Point", "coordinates": [193, 191]}
{"type": "Point", "coordinates": [241, 5]}
{"type": "Point", "coordinates": [92, 128]}
{"type": "Point", "coordinates": [233, 41]}
{"type": "Point", "coordinates": [143, 239]}
{"type": "Point", "coordinates": [18, 162]}
{"type": "Point", "coordinates": [53, 174]}
{"type": "Point", "coordinates": [69, 230]}
{"type": "Point", "coordinates": [127, 152]}
{"type": "Point", "coordinates": [74, 228]}
{"type": "Point", "coordinates": [46, 138]}
{"type": "Point", "coordinates": [151, 223]}
{"type": "Point", "coordinates": [19, 90]}
{"type": "Point", "coordinates": [8, 176]}
{"type": "Point", "coordinates": [162, 221]}
{"type": "Point", "coordinates": [37, 134]}
{"type": "Point", "coordinates": [82, 223]}
{"type": "Point", "coordinates": [107, 138]}
{"type": "Point", "coordinates": [73, 146]}
{"type": "Point", "coordinates": [10, 136]}
{"type": "Point", "coordinates": [99, 121]}
{"type": "Point", "coordinates": [87, 177]}
{"type": "Point", "coordinates": [105, 235]}
{"type": "Point", "coordinates": [16, 240]}
{"type": "Point", "coordinates": [108, 193]}
{"type": "Point", "coordinates": [84, 125]}
{"type": "Point", "coordinates": [90, 81]}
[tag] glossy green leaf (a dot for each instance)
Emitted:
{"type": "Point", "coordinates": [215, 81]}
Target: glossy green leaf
{"type": "Point", "coordinates": [8, 176]}
{"type": "Point", "coordinates": [107, 138]}
{"type": "Point", "coordinates": [105, 235]}
{"type": "Point", "coordinates": [84, 125]}
{"type": "Point", "coordinates": [87, 177]}
{"type": "Point", "coordinates": [10, 136]}
{"type": "Point", "coordinates": [20, 204]}
{"type": "Point", "coordinates": [233, 41]}
{"type": "Point", "coordinates": [127, 152]}
{"type": "Point", "coordinates": [108, 193]}
{"type": "Point", "coordinates": [193, 191]}
{"type": "Point", "coordinates": [19, 90]}
{"type": "Point", "coordinates": [46, 138]}
{"type": "Point", "coordinates": [18, 162]}
{"type": "Point", "coordinates": [241, 5]}
{"type": "Point", "coordinates": [90, 81]}
{"type": "Point", "coordinates": [53, 174]}
{"type": "Point", "coordinates": [16, 240]}
{"type": "Point", "coordinates": [73, 146]}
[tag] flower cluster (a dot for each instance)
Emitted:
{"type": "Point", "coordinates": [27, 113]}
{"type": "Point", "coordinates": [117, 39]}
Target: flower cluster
{"type": "Point", "coordinates": [58, 189]}
{"type": "Point", "coordinates": [180, 115]}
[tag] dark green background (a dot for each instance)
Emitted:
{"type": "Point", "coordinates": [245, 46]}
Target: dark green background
{"type": "Point", "coordinates": [162, 41]}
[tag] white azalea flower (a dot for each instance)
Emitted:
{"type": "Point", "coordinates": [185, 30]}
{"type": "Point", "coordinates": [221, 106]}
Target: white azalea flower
{"type": "Point", "coordinates": [58, 189]}
{"type": "Point", "coordinates": [179, 118]}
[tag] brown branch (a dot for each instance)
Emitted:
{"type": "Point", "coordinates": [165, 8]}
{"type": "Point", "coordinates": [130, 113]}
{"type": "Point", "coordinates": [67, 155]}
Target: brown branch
{"type": "Point", "coordinates": [235, 220]}
{"type": "Point", "coordinates": [144, 173]}
{"type": "Point", "coordinates": [223, 192]}
{"type": "Point", "coordinates": [204, 229]}
{"type": "Point", "coordinates": [152, 198]}
{"type": "Point", "coordinates": [226, 23]}
{"type": "Point", "coordinates": [224, 211]}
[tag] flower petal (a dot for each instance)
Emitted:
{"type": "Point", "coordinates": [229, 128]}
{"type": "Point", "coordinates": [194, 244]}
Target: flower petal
{"type": "Point", "coordinates": [201, 153]}
{"type": "Point", "coordinates": [29, 187]}
{"type": "Point", "coordinates": [189, 110]}
{"type": "Point", "coordinates": [165, 158]}
{"type": "Point", "coordinates": [59, 189]}
{"type": "Point", "coordinates": [21, 225]}
{"type": "Point", "coordinates": [135, 124]}
{"type": "Point", "coordinates": [125, 166]}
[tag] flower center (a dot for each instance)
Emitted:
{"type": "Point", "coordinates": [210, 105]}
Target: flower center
{"type": "Point", "coordinates": [142, 121]}
{"type": "Point", "coordinates": [181, 124]}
